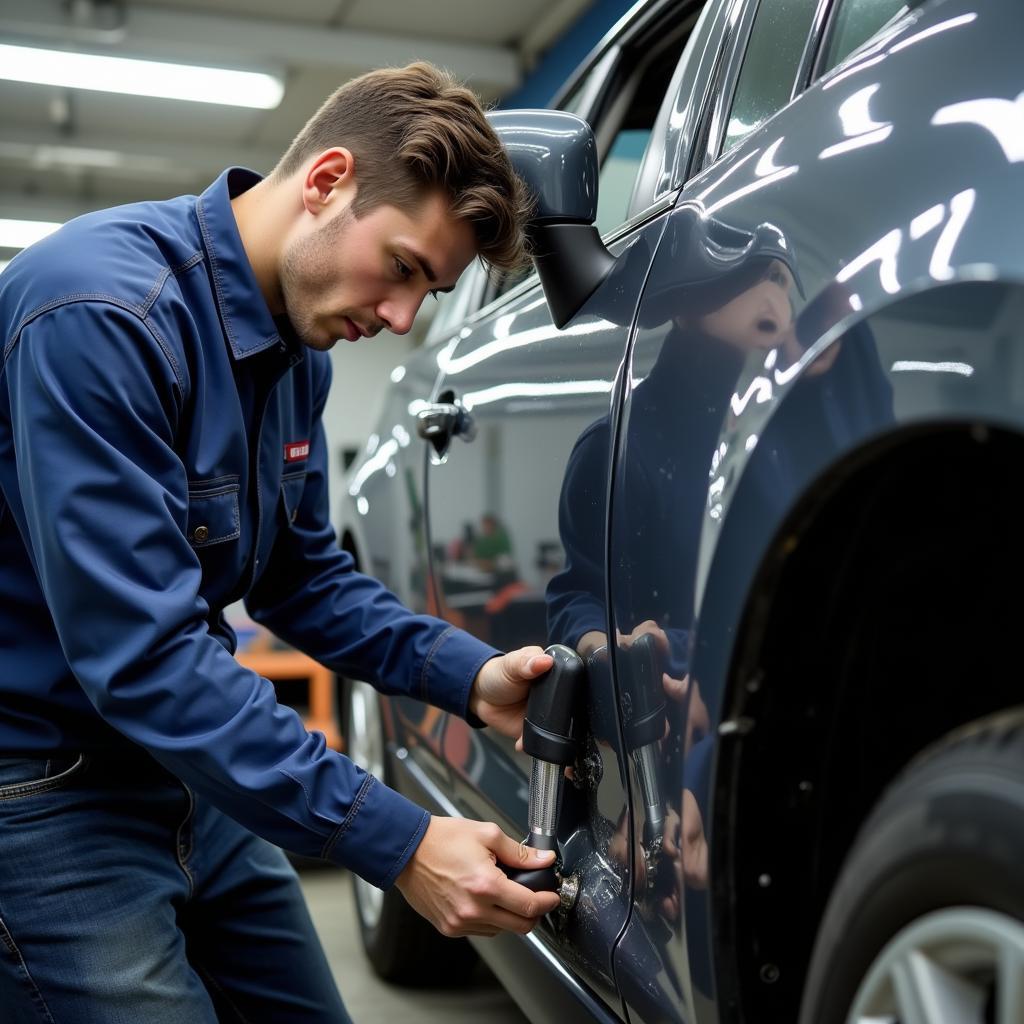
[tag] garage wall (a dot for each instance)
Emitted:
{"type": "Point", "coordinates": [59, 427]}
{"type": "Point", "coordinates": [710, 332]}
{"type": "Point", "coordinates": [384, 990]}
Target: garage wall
{"type": "Point", "coordinates": [559, 60]}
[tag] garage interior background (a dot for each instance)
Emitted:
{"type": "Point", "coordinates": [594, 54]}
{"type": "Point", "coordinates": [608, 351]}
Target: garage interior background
{"type": "Point", "coordinates": [66, 151]}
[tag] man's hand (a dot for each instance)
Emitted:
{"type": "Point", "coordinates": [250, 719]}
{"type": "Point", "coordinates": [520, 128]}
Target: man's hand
{"type": "Point", "coordinates": [454, 881]}
{"type": "Point", "coordinates": [500, 690]}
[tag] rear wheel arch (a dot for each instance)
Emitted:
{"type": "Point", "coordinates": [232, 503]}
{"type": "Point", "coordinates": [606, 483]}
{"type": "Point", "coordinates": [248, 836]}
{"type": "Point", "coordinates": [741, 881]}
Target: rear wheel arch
{"type": "Point", "coordinates": [881, 619]}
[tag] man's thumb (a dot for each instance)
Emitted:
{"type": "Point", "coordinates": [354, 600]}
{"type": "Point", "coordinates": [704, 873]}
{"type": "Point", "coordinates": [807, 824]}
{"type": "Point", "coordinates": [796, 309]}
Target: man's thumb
{"type": "Point", "coordinates": [535, 662]}
{"type": "Point", "coordinates": [516, 854]}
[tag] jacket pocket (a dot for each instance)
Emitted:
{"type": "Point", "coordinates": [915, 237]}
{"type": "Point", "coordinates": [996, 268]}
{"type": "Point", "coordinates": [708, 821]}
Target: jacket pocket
{"type": "Point", "coordinates": [292, 485]}
{"type": "Point", "coordinates": [213, 512]}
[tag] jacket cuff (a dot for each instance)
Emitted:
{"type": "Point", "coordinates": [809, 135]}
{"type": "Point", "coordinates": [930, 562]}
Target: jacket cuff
{"type": "Point", "coordinates": [449, 670]}
{"type": "Point", "coordinates": [379, 835]}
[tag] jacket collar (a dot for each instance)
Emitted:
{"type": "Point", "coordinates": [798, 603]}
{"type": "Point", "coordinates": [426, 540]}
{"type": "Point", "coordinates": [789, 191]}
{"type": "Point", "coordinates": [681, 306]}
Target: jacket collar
{"type": "Point", "coordinates": [243, 311]}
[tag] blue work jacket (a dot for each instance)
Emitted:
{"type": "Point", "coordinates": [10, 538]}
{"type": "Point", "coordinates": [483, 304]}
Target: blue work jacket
{"type": "Point", "coordinates": [161, 456]}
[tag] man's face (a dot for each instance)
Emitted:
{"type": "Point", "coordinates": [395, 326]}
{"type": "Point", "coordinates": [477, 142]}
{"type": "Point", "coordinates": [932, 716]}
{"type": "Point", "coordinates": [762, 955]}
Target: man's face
{"type": "Point", "coordinates": [757, 317]}
{"type": "Point", "coordinates": [351, 277]}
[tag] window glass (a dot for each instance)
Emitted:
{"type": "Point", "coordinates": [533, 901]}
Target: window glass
{"type": "Point", "coordinates": [624, 136]}
{"type": "Point", "coordinates": [623, 122]}
{"type": "Point", "coordinates": [618, 175]}
{"type": "Point", "coordinates": [581, 94]}
{"type": "Point", "coordinates": [769, 69]}
{"type": "Point", "coordinates": [855, 23]}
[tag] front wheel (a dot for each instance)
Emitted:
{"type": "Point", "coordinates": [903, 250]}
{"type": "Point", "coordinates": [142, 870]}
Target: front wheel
{"type": "Point", "coordinates": [402, 947]}
{"type": "Point", "coordinates": [926, 922]}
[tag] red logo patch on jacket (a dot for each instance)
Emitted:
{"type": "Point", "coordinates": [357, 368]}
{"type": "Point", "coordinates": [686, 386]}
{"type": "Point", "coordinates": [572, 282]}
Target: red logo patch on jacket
{"type": "Point", "coordinates": [296, 451]}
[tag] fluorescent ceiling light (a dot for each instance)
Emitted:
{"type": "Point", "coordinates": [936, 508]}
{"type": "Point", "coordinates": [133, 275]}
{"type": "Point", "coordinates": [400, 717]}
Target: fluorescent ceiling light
{"type": "Point", "coordinates": [140, 77]}
{"type": "Point", "coordinates": [17, 234]}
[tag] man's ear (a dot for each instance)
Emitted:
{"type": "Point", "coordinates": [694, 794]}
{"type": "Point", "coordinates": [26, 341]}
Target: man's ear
{"type": "Point", "coordinates": [329, 180]}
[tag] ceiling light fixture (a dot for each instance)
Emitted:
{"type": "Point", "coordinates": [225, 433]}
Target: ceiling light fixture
{"type": "Point", "coordinates": [17, 234]}
{"type": "Point", "coordinates": [140, 77]}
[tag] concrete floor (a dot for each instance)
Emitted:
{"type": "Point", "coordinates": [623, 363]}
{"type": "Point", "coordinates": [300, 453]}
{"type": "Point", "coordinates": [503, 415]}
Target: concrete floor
{"type": "Point", "coordinates": [371, 1001]}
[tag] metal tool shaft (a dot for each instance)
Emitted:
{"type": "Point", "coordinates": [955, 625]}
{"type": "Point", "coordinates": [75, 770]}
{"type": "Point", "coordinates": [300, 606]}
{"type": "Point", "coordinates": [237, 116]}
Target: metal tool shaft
{"type": "Point", "coordinates": [545, 790]}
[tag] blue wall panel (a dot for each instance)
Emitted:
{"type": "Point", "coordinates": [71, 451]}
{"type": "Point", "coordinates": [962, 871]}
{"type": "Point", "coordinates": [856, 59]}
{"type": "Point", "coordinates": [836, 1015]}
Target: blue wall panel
{"type": "Point", "coordinates": [563, 56]}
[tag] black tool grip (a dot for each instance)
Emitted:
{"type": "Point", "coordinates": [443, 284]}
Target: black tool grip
{"type": "Point", "coordinates": [645, 718]}
{"type": "Point", "coordinates": [536, 879]}
{"type": "Point", "coordinates": [547, 729]}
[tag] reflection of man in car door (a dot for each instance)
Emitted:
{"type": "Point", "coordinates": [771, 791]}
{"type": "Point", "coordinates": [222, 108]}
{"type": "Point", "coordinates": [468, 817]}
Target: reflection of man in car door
{"type": "Point", "coordinates": [723, 299]}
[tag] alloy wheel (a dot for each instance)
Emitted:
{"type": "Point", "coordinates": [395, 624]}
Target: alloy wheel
{"type": "Point", "coordinates": [366, 749]}
{"type": "Point", "coordinates": [960, 965]}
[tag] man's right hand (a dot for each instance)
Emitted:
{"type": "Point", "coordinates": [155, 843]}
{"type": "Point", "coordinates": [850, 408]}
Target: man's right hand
{"type": "Point", "coordinates": [454, 880]}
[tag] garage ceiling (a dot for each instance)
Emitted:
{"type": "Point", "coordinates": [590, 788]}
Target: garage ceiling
{"type": "Point", "coordinates": [65, 151]}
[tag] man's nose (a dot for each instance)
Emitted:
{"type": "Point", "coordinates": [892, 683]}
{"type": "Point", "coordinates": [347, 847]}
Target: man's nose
{"type": "Point", "coordinates": [397, 317]}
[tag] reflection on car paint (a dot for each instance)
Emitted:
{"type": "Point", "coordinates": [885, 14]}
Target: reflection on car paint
{"type": "Point", "coordinates": [506, 484]}
{"type": "Point", "coordinates": [807, 295]}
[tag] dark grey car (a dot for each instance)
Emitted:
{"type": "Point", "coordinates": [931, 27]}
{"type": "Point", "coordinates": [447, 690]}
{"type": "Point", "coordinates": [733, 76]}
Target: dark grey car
{"type": "Point", "coordinates": [763, 481]}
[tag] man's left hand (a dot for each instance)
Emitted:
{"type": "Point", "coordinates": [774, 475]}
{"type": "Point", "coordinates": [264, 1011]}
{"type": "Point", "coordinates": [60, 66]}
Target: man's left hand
{"type": "Point", "coordinates": [502, 686]}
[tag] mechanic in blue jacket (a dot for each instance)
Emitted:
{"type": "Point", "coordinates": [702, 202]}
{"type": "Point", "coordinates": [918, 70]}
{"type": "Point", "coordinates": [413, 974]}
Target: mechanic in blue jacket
{"type": "Point", "coordinates": [161, 456]}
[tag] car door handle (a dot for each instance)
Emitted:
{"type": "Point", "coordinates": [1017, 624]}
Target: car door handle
{"type": "Point", "coordinates": [441, 421]}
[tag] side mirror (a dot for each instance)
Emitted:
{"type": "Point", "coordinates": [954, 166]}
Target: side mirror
{"type": "Point", "coordinates": [555, 154]}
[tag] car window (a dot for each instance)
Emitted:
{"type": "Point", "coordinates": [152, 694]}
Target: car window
{"type": "Point", "coordinates": [581, 98]}
{"type": "Point", "coordinates": [854, 23]}
{"type": "Point", "coordinates": [622, 121]}
{"type": "Point", "coordinates": [625, 129]}
{"type": "Point", "coordinates": [769, 69]}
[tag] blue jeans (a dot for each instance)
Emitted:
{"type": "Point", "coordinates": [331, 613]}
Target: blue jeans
{"type": "Point", "coordinates": [125, 899]}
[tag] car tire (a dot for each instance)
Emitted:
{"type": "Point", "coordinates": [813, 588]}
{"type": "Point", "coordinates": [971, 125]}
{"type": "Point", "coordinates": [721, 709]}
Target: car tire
{"type": "Point", "coordinates": [402, 947]}
{"type": "Point", "coordinates": [929, 907]}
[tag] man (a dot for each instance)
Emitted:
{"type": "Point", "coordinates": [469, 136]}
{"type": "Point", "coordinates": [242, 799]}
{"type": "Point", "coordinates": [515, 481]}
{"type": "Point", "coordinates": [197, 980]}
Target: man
{"type": "Point", "coordinates": [161, 455]}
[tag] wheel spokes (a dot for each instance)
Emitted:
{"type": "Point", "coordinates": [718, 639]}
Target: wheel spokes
{"type": "Point", "coordinates": [929, 993]}
{"type": "Point", "coordinates": [1010, 986]}
{"type": "Point", "coordinates": [947, 968]}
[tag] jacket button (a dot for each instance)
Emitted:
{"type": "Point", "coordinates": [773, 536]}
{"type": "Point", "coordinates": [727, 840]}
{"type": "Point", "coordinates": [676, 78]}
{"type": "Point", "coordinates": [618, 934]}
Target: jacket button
{"type": "Point", "coordinates": [201, 533]}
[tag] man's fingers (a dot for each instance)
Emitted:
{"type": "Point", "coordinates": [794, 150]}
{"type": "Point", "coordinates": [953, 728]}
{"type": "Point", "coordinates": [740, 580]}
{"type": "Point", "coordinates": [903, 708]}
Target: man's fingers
{"type": "Point", "coordinates": [675, 689]}
{"type": "Point", "coordinates": [518, 855]}
{"type": "Point", "coordinates": [510, 921]}
{"type": "Point", "coordinates": [524, 903]}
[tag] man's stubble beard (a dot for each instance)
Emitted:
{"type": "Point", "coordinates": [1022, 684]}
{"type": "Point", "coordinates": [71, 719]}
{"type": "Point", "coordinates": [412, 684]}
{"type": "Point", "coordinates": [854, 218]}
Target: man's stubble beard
{"type": "Point", "coordinates": [305, 273]}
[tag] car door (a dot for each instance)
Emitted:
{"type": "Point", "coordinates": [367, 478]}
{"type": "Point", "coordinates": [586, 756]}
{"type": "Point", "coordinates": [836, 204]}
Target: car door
{"type": "Point", "coordinates": [537, 401]}
{"type": "Point", "coordinates": [716, 336]}
{"type": "Point", "coordinates": [386, 520]}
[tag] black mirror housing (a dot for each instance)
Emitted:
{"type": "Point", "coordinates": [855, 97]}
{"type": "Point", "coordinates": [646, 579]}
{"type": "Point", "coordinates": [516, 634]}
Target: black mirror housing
{"type": "Point", "coordinates": [556, 156]}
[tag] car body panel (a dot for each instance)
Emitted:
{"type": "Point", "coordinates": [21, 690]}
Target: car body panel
{"type": "Point", "coordinates": [385, 529]}
{"type": "Point", "coordinates": [890, 332]}
{"type": "Point", "coordinates": [897, 212]}
{"type": "Point", "coordinates": [554, 383]}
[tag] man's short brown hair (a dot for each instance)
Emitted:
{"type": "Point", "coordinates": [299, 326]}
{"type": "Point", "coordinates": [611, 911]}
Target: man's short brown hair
{"type": "Point", "coordinates": [413, 130]}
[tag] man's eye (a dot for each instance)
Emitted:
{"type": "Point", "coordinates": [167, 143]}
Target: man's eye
{"type": "Point", "coordinates": [403, 270]}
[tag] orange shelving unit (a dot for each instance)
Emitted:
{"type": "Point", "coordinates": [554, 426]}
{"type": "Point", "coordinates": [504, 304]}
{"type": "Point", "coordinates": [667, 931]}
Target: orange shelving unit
{"type": "Point", "coordinates": [280, 665]}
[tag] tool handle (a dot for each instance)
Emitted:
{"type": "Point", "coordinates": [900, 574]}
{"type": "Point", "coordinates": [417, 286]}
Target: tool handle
{"type": "Point", "coordinates": [536, 879]}
{"type": "Point", "coordinates": [645, 720]}
{"type": "Point", "coordinates": [548, 726]}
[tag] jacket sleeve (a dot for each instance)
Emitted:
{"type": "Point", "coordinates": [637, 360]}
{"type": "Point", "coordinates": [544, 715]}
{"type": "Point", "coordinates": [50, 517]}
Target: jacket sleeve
{"type": "Point", "coordinates": [95, 400]}
{"type": "Point", "coordinates": [311, 596]}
